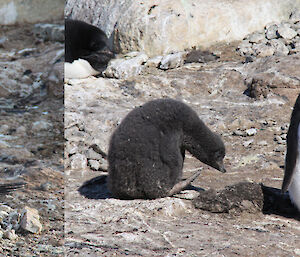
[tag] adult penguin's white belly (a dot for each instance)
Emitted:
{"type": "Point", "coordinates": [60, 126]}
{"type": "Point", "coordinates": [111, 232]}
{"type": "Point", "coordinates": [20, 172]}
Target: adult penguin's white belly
{"type": "Point", "coordinates": [294, 188]}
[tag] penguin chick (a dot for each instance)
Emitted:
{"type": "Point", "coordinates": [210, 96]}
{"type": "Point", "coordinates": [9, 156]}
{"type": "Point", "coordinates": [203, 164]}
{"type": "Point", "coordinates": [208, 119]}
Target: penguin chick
{"type": "Point", "coordinates": [146, 151]}
{"type": "Point", "coordinates": [291, 180]}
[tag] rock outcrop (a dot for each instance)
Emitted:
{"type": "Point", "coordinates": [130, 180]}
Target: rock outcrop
{"type": "Point", "coordinates": [158, 28]}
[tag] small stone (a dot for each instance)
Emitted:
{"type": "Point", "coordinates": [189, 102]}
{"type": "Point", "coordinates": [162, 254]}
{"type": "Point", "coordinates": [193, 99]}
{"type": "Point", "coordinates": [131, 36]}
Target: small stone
{"type": "Point", "coordinates": [1, 235]}
{"type": "Point", "coordinates": [30, 220]}
{"type": "Point", "coordinates": [256, 37]}
{"type": "Point", "coordinates": [45, 186]}
{"type": "Point", "coordinates": [5, 208]}
{"type": "Point", "coordinates": [239, 133]}
{"type": "Point", "coordinates": [248, 142]}
{"type": "Point", "coordinates": [283, 136]}
{"type": "Point", "coordinates": [41, 125]}
{"type": "Point", "coordinates": [280, 148]}
{"type": "Point", "coordinates": [4, 144]}
{"type": "Point", "coordinates": [124, 68]}
{"type": "Point", "coordinates": [10, 234]}
{"type": "Point", "coordinates": [264, 50]}
{"type": "Point", "coordinates": [78, 161]}
{"type": "Point", "coordinates": [21, 130]}
{"type": "Point", "coordinates": [278, 139]}
{"type": "Point", "coordinates": [286, 32]}
{"type": "Point", "coordinates": [172, 61]}
{"type": "Point", "coordinates": [3, 215]}
{"type": "Point", "coordinates": [91, 154]}
{"type": "Point", "coordinates": [271, 32]}
{"type": "Point", "coordinates": [245, 48]}
{"type": "Point", "coordinates": [154, 62]}
{"type": "Point", "coordinates": [95, 165]}
{"type": "Point", "coordinates": [280, 49]}
{"type": "Point", "coordinates": [4, 129]}
{"type": "Point", "coordinates": [295, 15]}
{"type": "Point", "coordinates": [251, 131]}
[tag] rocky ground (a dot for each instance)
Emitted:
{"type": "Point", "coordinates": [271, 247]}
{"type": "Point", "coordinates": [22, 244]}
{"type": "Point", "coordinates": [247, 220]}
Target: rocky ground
{"type": "Point", "coordinates": [31, 142]}
{"type": "Point", "coordinates": [247, 101]}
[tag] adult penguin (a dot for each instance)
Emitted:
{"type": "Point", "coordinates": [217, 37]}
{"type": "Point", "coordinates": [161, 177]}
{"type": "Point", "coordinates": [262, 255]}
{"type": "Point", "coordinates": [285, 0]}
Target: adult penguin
{"type": "Point", "coordinates": [291, 180]}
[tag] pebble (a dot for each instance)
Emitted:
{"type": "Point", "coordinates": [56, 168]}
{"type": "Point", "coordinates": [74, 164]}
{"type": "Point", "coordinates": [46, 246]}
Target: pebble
{"type": "Point", "coordinates": [30, 220]}
{"type": "Point", "coordinates": [278, 139]}
{"type": "Point", "coordinates": [251, 131]}
{"type": "Point", "coordinates": [286, 32]}
{"type": "Point", "coordinates": [248, 142]}
{"type": "Point", "coordinates": [41, 125]}
{"type": "Point", "coordinates": [172, 61]}
{"type": "Point", "coordinates": [10, 234]}
{"type": "Point", "coordinates": [280, 148]}
{"type": "Point", "coordinates": [95, 165]}
{"type": "Point", "coordinates": [78, 161]}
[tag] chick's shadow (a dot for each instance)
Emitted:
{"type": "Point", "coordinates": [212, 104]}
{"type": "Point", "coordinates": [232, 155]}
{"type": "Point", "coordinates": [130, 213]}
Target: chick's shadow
{"type": "Point", "coordinates": [95, 188]}
{"type": "Point", "coordinates": [274, 202]}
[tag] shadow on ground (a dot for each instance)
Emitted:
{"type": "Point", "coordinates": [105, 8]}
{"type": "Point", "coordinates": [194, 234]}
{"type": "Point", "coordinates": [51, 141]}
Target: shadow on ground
{"type": "Point", "coordinates": [234, 199]}
{"type": "Point", "coordinates": [95, 188]}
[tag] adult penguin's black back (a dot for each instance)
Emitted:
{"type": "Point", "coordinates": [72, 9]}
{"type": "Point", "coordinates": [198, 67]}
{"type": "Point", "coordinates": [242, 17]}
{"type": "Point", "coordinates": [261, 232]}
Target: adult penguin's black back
{"type": "Point", "coordinates": [291, 180]}
{"type": "Point", "coordinates": [82, 39]}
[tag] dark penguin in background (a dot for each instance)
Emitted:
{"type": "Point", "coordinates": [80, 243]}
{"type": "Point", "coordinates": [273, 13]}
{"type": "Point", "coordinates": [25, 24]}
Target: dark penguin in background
{"type": "Point", "coordinates": [8, 187]}
{"type": "Point", "coordinates": [82, 39]}
{"type": "Point", "coordinates": [291, 180]}
{"type": "Point", "coordinates": [147, 150]}
{"type": "Point", "coordinates": [86, 47]}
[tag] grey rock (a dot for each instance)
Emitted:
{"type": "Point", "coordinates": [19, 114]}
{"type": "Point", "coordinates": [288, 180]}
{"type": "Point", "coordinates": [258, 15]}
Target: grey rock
{"type": "Point", "coordinates": [78, 161]}
{"type": "Point", "coordinates": [95, 165]}
{"type": "Point", "coordinates": [10, 234]}
{"type": "Point", "coordinates": [5, 208]}
{"type": "Point", "coordinates": [263, 50]}
{"type": "Point", "coordinates": [4, 144]}
{"type": "Point", "coordinates": [286, 32]}
{"type": "Point", "coordinates": [245, 48]}
{"type": "Point", "coordinates": [4, 129]}
{"type": "Point", "coordinates": [251, 131]}
{"type": "Point", "coordinates": [172, 61]}
{"type": "Point", "coordinates": [91, 154]}
{"type": "Point", "coordinates": [154, 62]}
{"type": "Point", "coordinates": [30, 220]}
{"type": "Point", "coordinates": [125, 68]}
{"type": "Point", "coordinates": [51, 32]}
{"type": "Point", "coordinates": [278, 139]}
{"type": "Point", "coordinates": [280, 148]}
{"type": "Point", "coordinates": [256, 37]}
{"type": "Point", "coordinates": [271, 32]}
{"type": "Point", "coordinates": [280, 49]}
{"type": "Point", "coordinates": [248, 142]}
{"type": "Point", "coordinates": [295, 15]}
{"type": "Point", "coordinates": [146, 25]}
{"type": "Point", "coordinates": [41, 125]}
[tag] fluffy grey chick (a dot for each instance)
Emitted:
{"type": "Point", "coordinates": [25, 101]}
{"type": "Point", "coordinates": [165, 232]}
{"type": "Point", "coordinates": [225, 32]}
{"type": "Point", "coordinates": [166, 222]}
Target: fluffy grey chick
{"type": "Point", "coordinates": [147, 149]}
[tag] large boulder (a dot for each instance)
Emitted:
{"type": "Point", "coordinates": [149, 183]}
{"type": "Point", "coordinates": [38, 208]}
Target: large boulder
{"type": "Point", "coordinates": [30, 11]}
{"type": "Point", "coordinates": [162, 27]}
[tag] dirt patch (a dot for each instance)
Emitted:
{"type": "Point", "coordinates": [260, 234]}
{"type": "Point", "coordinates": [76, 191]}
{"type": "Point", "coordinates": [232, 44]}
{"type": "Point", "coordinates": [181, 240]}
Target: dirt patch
{"type": "Point", "coordinates": [31, 142]}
